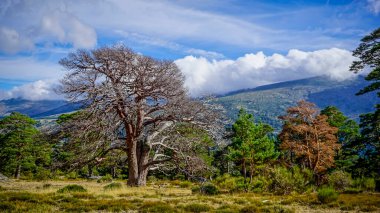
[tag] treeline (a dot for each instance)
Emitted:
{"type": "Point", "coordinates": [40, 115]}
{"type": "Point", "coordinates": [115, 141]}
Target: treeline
{"type": "Point", "coordinates": [314, 148]}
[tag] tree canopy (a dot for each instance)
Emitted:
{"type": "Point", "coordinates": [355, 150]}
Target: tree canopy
{"type": "Point", "coordinates": [130, 99]}
{"type": "Point", "coordinates": [21, 147]}
{"type": "Point", "coordinates": [308, 136]}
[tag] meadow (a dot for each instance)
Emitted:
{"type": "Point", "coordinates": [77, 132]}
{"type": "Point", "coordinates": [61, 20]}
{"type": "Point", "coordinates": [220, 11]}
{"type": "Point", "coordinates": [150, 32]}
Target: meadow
{"type": "Point", "coordinates": [163, 196]}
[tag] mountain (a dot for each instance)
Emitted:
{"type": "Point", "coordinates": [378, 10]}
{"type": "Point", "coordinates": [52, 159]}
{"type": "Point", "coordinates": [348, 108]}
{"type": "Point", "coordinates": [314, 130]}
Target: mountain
{"type": "Point", "coordinates": [36, 109]}
{"type": "Point", "coordinates": [268, 102]}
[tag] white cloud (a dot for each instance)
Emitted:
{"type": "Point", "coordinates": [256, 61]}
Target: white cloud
{"type": "Point", "coordinates": [25, 24]}
{"type": "Point", "coordinates": [11, 41]}
{"type": "Point", "coordinates": [38, 90]}
{"type": "Point", "coordinates": [68, 29]}
{"type": "Point", "coordinates": [374, 6]}
{"type": "Point", "coordinates": [204, 76]}
{"type": "Point", "coordinates": [75, 22]}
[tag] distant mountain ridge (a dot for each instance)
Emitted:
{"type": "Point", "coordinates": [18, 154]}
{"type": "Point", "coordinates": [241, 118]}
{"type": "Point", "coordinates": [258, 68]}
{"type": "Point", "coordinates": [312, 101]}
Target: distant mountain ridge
{"type": "Point", "coordinates": [268, 102]}
{"type": "Point", "coordinates": [36, 109]}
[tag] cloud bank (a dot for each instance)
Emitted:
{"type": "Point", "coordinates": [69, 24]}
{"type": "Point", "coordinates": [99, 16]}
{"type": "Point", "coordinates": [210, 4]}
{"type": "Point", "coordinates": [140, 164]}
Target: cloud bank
{"type": "Point", "coordinates": [38, 90]}
{"type": "Point", "coordinates": [220, 76]}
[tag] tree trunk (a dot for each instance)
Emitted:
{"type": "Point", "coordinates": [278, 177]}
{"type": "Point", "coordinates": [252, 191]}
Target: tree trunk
{"type": "Point", "coordinates": [133, 170]}
{"type": "Point", "coordinates": [18, 171]}
{"type": "Point", "coordinates": [89, 170]}
{"type": "Point", "coordinates": [138, 156]}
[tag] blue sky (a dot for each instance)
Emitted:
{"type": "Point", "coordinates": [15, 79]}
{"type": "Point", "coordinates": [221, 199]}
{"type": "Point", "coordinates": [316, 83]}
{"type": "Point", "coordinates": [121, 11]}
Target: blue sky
{"type": "Point", "coordinates": [220, 45]}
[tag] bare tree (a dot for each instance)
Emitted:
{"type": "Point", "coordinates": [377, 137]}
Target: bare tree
{"type": "Point", "coordinates": [134, 96]}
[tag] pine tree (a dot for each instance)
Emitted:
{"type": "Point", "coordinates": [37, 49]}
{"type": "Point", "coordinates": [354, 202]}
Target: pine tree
{"type": "Point", "coordinates": [251, 145]}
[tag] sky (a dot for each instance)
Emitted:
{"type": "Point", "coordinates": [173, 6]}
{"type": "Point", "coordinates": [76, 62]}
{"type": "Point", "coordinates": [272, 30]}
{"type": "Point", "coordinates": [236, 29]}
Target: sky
{"type": "Point", "coordinates": [219, 45]}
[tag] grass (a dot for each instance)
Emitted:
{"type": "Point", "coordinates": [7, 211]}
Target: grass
{"type": "Point", "coordinates": [28, 196]}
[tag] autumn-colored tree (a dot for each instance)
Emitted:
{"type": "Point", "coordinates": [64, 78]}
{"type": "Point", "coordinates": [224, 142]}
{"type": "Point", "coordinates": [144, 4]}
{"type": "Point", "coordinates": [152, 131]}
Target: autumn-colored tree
{"type": "Point", "coordinates": [308, 137]}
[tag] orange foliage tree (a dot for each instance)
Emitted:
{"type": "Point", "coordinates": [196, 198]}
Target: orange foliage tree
{"type": "Point", "coordinates": [308, 138]}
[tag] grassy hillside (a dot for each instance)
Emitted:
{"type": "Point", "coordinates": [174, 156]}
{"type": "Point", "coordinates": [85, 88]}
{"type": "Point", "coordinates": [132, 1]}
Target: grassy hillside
{"type": "Point", "coordinates": [266, 103]}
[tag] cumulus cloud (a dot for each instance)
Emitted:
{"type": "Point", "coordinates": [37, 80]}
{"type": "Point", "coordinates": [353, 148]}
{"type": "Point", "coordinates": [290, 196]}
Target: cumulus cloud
{"type": "Point", "coordinates": [38, 90]}
{"type": "Point", "coordinates": [68, 29]}
{"type": "Point", "coordinates": [205, 76]}
{"type": "Point", "coordinates": [24, 26]}
{"type": "Point", "coordinates": [374, 6]}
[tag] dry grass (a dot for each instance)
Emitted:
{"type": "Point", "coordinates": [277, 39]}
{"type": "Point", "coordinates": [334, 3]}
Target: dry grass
{"type": "Point", "coordinates": [29, 196]}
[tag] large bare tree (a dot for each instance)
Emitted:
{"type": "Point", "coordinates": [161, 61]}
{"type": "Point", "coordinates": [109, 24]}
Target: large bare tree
{"type": "Point", "coordinates": [130, 97]}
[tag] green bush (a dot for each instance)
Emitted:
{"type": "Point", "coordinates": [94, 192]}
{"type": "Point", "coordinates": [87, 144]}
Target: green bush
{"type": "Point", "coordinates": [195, 207]}
{"type": "Point", "coordinates": [158, 207]}
{"type": "Point", "coordinates": [285, 181]}
{"type": "Point", "coordinates": [72, 188]}
{"type": "Point", "coordinates": [340, 180]}
{"type": "Point", "coordinates": [250, 209]}
{"type": "Point", "coordinates": [185, 184]}
{"type": "Point", "coordinates": [209, 189]}
{"type": "Point", "coordinates": [72, 175]}
{"type": "Point", "coordinates": [112, 186]}
{"type": "Point", "coordinates": [365, 184]}
{"type": "Point", "coordinates": [105, 178]}
{"type": "Point", "coordinates": [196, 189]}
{"type": "Point", "coordinates": [327, 195]}
{"type": "Point", "coordinates": [42, 174]}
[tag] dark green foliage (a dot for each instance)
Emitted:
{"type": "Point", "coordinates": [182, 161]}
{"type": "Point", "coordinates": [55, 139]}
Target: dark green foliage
{"type": "Point", "coordinates": [209, 189]}
{"type": "Point", "coordinates": [22, 148]}
{"type": "Point", "coordinates": [327, 195]}
{"type": "Point", "coordinates": [106, 178]}
{"type": "Point", "coordinates": [72, 188]}
{"type": "Point", "coordinates": [196, 207]}
{"type": "Point", "coordinates": [365, 184]}
{"type": "Point", "coordinates": [251, 145]}
{"type": "Point", "coordinates": [112, 186]}
{"type": "Point", "coordinates": [348, 136]}
{"type": "Point", "coordinates": [368, 53]}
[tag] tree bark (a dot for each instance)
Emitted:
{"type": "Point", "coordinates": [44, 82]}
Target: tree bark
{"type": "Point", "coordinates": [133, 171]}
{"type": "Point", "coordinates": [18, 171]}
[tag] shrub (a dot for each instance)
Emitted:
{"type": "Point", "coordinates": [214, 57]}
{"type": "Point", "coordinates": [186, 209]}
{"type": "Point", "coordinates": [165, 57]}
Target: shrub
{"type": "Point", "coordinates": [156, 207]}
{"type": "Point", "coordinates": [105, 178]}
{"type": "Point", "coordinates": [327, 195]}
{"type": "Point", "coordinates": [7, 207]}
{"type": "Point", "coordinates": [284, 181]}
{"type": "Point", "coordinates": [185, 184]}
{"type": "Point", "coordinates": [112, 186]}
{"type": "Point", "coordinates": [366, 184]}
{"type": "Point", "coordinates": [340, 180]}
{"type": "Point", "coordinates": [72, 175]}
{"type": "Point", "coordinates": [72, 188]}
{"type": "Point", "coordinates": [196, 207]}
{"type": "Point", "coordinates": [209, 189]}
{"type": "Point", "coordinates": [46, 185]}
